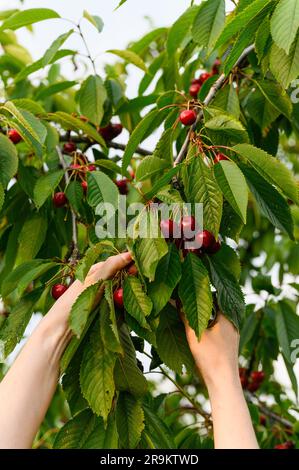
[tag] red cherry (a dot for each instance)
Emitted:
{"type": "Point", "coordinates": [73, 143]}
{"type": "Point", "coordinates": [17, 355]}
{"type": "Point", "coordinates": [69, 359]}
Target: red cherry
{"type": "Point", "coordinates": [76, 166]}
{"type": "Point", "coordinates": [188, 117]}
{"type": "Point", "coordinates": [285, 445]}
{"type": "Point", "coordinates": [204, 77]}
{"type": "Point", "coordinates": [111, 131]}
{"type": "Point", "coordinates": [205, 239]}
{"type": "Point", "coordinates": [194, 90]}
{"type": "Point", "coordinates": [14, 136]}
{"type": "Point", "coordinates": [216, 66]}
{"type": "Point", "coordinates": [262, 420]}
{"type": "Point", "coordinates": [59, 199]}
{"type": "Point", "coordinates": [132, 270]}
{"type": "Point", "coordinates": [167, 228]}
{"type": "Point", "coordinates": [257, 376]}
{"type": "Point", "coordinates": [196, 81]}
{"type": "Point", "coordinates": [118, 297]}
{"type": "Point", "coordinates": [92, 168]}
{"type": "Point", "coordinates": [69, 147]}
{"type": "Point", "coordinates": [84, 186]}
{"type": "Point", "coordinates": [188, 226]}
{"type": "Point", "coordinates": [123, 186]}
{"type": "Point", "coordinates": [58, 290]}
{"type": "Point", "coordinates": [212, 250]}
{"type": "Point", "coordinates": [253, 386]}
{"type": "Point", "coordinates": [220, 157]}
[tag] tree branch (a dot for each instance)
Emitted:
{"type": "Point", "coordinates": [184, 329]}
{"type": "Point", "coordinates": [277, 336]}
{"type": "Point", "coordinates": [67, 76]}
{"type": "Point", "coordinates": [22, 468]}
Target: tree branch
{"type": "Point", "coordinates": [75, 251]}
{"type": "Point", "coordinates": [265, 410]}
{"type": "Point", "coordinates": [210, 96]}
{"type": "Point", "coordinates": [114, 145]}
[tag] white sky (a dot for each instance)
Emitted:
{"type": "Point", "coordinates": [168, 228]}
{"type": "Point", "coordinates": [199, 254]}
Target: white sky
{"type": "Point", "coordinates": [130, 22]}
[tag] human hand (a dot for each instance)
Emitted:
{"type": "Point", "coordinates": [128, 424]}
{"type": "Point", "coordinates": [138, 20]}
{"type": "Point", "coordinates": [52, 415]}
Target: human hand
{"type": "Point", "coordinates": [107, 269]}
{"type": "Point", "coordinates": [216, 354]}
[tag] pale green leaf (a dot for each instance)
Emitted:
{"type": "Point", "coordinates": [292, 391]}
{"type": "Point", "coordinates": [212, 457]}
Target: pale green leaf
{"type": "Point", "coordinates": [31, 237]}
{"type": "Point", "coordinates": [136, 302]}
{"type": "Point", "coordinates": [150, 167]}
{"type": "Point", "coordinates": [101, 189]}
{"type": "Point", "coordinates": [285, 23]}
{"type": "Point", "coordinates": [28, 17]}
{"type": "Point", "coordinates": [130, 57]}
{"type": "Point", "coordinates": [55, 46]}
{"type": "Point", "coordinates": [81, 309]}
{"type": "Point", "coordinates": [208, 23]}
{"type": "Point", "coordinates": [8, 160]}
{"type": "Point", "coordinates": [92, 97]}
{"type": "Point", "coordinates": [45, 186]}
{"type": "Point", "coordinates": [95, 20]}
{"type": "Point", "coordinates": [285, 68]}
{"type": "Point", "coordinates": [180, 29]}
{"type": "Point", "coordinates": [129, 420]}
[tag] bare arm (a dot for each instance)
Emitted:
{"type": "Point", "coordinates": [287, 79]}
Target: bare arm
{"type": "Point", "coordinates": [27, 389]}
{"type": "Point", "coordinates": [216, 356]}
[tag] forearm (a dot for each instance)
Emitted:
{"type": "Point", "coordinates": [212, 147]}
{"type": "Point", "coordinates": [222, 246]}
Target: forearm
{"type": "Point", "coordinates": [27, 389]}
{"type": "Point", "coordinates": [232, 423]}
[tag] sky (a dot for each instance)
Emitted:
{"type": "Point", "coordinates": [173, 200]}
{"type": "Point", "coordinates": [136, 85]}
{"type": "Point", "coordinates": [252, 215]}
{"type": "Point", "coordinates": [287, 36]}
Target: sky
{"type": "Point", "coordinates": [134, 19]}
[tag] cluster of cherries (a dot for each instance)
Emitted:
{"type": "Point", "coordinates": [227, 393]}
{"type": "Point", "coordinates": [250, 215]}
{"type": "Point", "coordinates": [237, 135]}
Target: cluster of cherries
{"type": "Point", "coordinates": [184, 232]}
{"type": "Point", "coordinates": [188, 116]}
{"type": "Point", "coordinates": [252, 381]}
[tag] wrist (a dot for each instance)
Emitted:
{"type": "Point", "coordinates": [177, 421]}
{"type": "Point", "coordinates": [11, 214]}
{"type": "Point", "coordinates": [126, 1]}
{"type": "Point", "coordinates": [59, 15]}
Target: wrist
{"type": "Point", "coordinates": [222, 381]}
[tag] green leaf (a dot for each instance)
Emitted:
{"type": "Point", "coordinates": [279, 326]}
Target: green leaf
{"type": "Point", "coordinates": [8, 160]}
{"type": "Point", "coordinates": [69, 122]}
{"type": "Point", "coordinates": [285, 68]}
{"type": "Point", "coordinates": [159, 433]}
{"type": "Point", "coordinates": [228, 126]}
{"type": "Point", "coordinates": [92, 97]}
{"type": "Point", "coordinates": [287, 328]}
{"type": "Point", "coordinates": [87, 431]}
{"type": "Point", "coordinates": [240, 21]}
{"type": "Point", "coordinates": [129, 420]}
{"type": "Point", "coordinates": [195, 294]}
{"type": "Point", "coordinates": [260, 109]}
{"type": "Point", "coordinates": [149, 251]}
{"type": "Point", "coordinates": [168, 274]}
{"type": "Point", "coordinates": [71, 385]}
{"type": "Point", "coordinates": [208, 23]}
{"type": "Point", "coordinates": [180, 29]}
{"type": "Point", "coordinates": [96, 374]}
{"type": "Point", "coordinates": [95, 20]}
{"type": "Point", "coordinates": [233, 186]}
{"type": "Point", "coordinates": [120, 4]}
{"type": "Point", "coordinates": [75, 196]}
{"type": "Point", "coordinates": [164, 149]}
{"type": "Point", "coordinates": [201, 187]}
{"type": "Point", "coordinates": [109, 323]}
{"type": "Point", "coordinates": [228, 100]}
{"type": "Point", "coordinates": [91, 256]}
{"type": "Point", "coordinates": [270, 201]}
{"type": "Point", "coordinates": [172, 345]}
{"type": "Point", "coordinates": [150, 167]}
{"type": "Point", "coordinates": [137, 136]}
{"type": "Point", "coordinates": [82, 308]}
{"type": "Point", "coordinates": [31, 237]}
{"type": "Point", "coordinates": [229, 295]}
{"type": "Point", "coordinates": [101, 189]}
{"type": "Point", "coordinates": [45, 186]}
{"type": "Point", "coordinates": [162, 182]}
{"type": "Point", "coordinates": [29, 105]}
{"type": "Point", "coordinates": [14, 326]}
{"type": "Point", "coordinates": [28, 17]}
{"type": "Point", "coordinates": [136, 302]}
{"type": "Point", "coordinates": [23, 275]}
{"type": "Point", "coordinates": [2, 196]}
{"type": "Point", "coordinates": [131, 57]}
{"type": "Point", "coordinates": [127, 375]}
{"type": "Point", "coordinates": [54, 89]}
{"type": "Point", "coordinates": [270, 168]}
{"type": "Point", "coordinates": [285, 23]}
{"type": "Point", "coordinates": [55, 46]}
{"type": "Point", "coordinates": [276, 96]}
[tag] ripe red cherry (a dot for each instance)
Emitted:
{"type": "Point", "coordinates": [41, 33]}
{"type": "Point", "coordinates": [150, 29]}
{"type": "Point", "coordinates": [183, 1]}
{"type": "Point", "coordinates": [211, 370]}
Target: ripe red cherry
{"type": "Point", "coordinates": [220, 157]}
{"type": "Point", "coordinates": [132, 270]}
{"type": "Point", "coordinates": [123, 186]}
{"type": "Point", "coordinates": [91, 168]}
{"type": "Point", "coordinates": [285, 445]}
{"type": "Point", "coordinates": [205, 239]}
{"type": "Point", "coordinates": [58, 290]}
{"type": "Point", "coordinates": [69, 147]}
{"type": "Point", "coordinates": [204, 77]}
{"type": "Point", "coordinates": [14, 136]}
{"type": "Point", "coordinates": [84, 186]}
{"type": "Point", "coordinates": [111, 131]}
{"type": "Point", "coordinates": [257, 376]}
{"type": "Point", "coordinates": [76, 166]}
{"type": "Point", "coordinates": [188, 225]}
{"type": "Point", "coordinates": [59, 199]}
{"type": "Point", "coordinates": [196, 81]}
{"type": "Point", "coordinates": [216, 66]}
{"type": "Point", "coordinates": [214, 248]}
{"type": "Point", "coordinates": [253, 386]}
{"type": "Point", "coordinates": [262, 420]}
{"type": "Point", "coordinates": [194, 90]}
{"type": "Point", "coordinates": [118, 297]}
{"type": "Point", "coordinates": [167, 228]}
{"type": "Point", "coordinates": [188, 117]}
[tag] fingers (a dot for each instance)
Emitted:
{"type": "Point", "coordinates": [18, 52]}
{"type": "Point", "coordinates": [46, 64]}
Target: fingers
{"type": "Point", "coordinates": [107, 269]}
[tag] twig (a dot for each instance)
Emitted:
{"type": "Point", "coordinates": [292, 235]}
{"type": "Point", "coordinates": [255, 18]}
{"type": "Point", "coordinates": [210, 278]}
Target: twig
{"type": "Point", "coordinates": [210, 96]}
{"type": "Point", "coordinates": [87, 48]}
{"type": "Point", "coordinates": [86, 140]}
{"type": "Point", "coordinates": [75, 251]}
{"type": "Point", "coordinates": [265, 410]}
